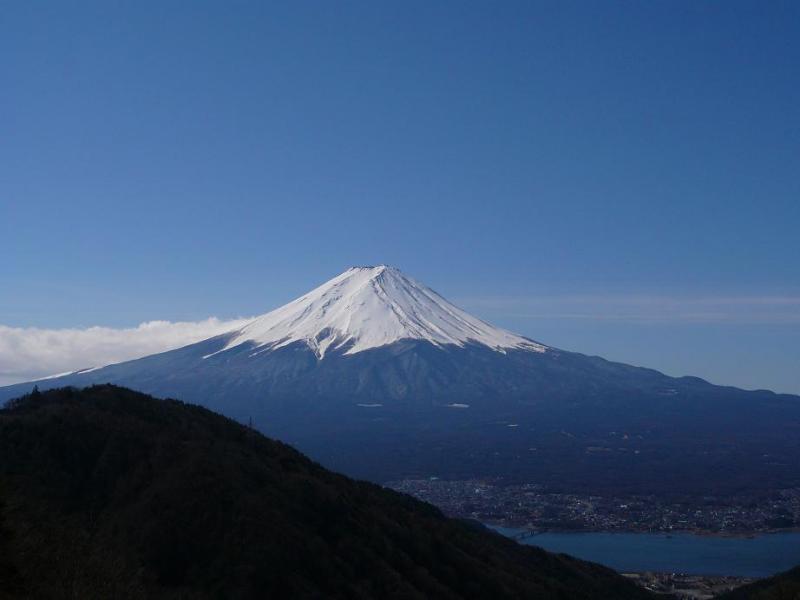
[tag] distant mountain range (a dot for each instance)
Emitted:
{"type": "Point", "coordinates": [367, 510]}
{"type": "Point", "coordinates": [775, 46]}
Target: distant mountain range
{"type": "Point", "coordinates": [378, 376]}
{"type": "Point", "coordinates": [107, 493]}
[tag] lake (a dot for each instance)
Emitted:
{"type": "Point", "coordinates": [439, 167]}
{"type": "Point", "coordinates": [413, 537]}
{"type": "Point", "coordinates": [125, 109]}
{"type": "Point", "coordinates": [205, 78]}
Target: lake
{"type": "Point", "coordinates": [760, 556]}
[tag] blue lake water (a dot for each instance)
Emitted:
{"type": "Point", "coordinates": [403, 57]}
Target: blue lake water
{"type": "Point", "coordinates": [760, 556]}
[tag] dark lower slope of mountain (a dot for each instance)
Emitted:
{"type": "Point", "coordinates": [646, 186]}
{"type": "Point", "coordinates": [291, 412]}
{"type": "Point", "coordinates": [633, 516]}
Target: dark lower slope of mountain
{"type": "Point", "coordinates": [784, 586]}
{"type": "Point", "coordinates": [413, 409]}
{"type": "Point", "coordinates": [108, 493]}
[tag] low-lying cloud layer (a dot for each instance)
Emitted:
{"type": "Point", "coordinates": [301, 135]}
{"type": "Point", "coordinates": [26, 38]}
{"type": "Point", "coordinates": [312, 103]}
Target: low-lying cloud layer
{"type": "Point", "coordinates": [28, 353]}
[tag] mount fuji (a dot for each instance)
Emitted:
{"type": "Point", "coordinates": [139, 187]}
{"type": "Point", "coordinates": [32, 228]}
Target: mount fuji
{"type": "Point", "coordinates": [370, 307]}
{"type": "Point", "coordinates": [375, 374]}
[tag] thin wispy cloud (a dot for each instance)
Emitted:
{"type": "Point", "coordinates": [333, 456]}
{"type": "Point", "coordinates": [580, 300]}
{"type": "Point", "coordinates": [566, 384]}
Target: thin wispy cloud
{"type": "Point", "coordinates": [28, 353]}
{"type": "Point", "coordinates": [778, 309]}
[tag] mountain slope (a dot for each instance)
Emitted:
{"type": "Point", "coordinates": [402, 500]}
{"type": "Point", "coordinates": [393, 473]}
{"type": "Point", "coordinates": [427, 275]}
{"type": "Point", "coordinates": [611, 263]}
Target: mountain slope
{"type": "Point", "coordinates": [109, 493]}
{"type": "Point", "coordinates": [784, 586]}
{"type": "Point", "coordinates": [375, 360]}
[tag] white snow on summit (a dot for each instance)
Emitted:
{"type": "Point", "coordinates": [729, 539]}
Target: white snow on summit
{"type": "Point", "coordinates": [370, 307]}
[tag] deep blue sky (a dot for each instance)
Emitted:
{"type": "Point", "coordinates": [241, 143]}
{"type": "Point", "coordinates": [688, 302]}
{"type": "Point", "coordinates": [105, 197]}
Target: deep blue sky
{"type": "Point", "coordinates": [621, 179]}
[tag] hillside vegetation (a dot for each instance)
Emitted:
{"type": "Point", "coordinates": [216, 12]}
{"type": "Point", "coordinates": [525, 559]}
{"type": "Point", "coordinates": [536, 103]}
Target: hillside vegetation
{"type": "Point", "coordinates": [785, 586]}
{"type": "Point", "coordinates": [108, 493]}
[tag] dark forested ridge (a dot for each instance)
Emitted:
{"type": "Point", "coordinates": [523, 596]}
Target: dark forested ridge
{"type": "Point", "coordinates": [108, 493]}
{"type": "Point", "coordinates": [785, 586]}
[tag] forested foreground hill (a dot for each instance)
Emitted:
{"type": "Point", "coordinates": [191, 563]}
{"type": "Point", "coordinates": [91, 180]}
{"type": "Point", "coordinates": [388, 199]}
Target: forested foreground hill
{"type": "Point", "coordinates": [108, 493]}
{"type": "Point", "coordinates": [785, 586]}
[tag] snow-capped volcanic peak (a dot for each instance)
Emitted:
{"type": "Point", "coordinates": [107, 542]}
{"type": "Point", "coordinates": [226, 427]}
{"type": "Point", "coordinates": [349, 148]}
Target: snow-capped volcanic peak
{"type": "Point", "coordinates": [369, 307]}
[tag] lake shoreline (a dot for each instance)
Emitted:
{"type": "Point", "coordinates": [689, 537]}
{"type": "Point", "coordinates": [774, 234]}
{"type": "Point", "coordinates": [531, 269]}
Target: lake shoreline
{"type": "Point", "coordinates": [743, 534]}
{"type": "Point", "coordinates": [689, 553]}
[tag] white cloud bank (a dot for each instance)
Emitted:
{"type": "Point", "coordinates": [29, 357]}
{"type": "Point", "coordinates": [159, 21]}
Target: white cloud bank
{"type": "Point", "coordinates": [28, 353]}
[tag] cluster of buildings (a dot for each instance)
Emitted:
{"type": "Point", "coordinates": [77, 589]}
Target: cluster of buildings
{"type": "Point", "coordinates": [687, 587]}
{"type": "Point", "coordinates": [534, 507]}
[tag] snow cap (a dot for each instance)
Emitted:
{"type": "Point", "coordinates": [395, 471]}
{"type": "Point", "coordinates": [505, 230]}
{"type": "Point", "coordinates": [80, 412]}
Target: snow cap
{"type": "Point", "coordinates": [369, 307]}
